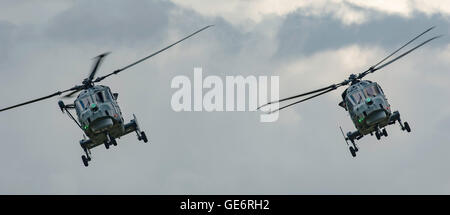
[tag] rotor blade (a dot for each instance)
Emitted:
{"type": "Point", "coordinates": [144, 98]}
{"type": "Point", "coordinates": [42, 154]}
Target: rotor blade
{"type": "Point", "coordinates": [334, 86]}
{"type": "Point", "coordinates": [302, 100]}
{"type": "Point", "coordinates": [96, 65]}
{"type": "Point", "coordinates": [409, 51]}
{"type": "Point", "coordinates": [36, 100]}
{"type": "Point", "coordinates": [145, 58]}
{"type": "Point", "coordinates": [429, 29]}
{"type": "Point", "coordinates": [75, 90]}
{"type": "Point", "coordinates": [70, 95]}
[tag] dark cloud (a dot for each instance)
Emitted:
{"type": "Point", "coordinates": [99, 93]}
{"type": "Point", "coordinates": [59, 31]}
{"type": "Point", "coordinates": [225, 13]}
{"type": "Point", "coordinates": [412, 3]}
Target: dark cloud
{"type": "Point", "coordinates": [303, 35]}
{"type": "Point", "coordinates": [111, 22]}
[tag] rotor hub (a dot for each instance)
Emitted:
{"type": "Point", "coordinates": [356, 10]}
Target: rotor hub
{"type": "Point", "coordinates": [88, 83]}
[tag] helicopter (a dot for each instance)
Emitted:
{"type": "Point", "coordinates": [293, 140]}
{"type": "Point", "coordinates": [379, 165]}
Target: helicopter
{"type": "Point", "coordinates": [97, 109]}
{"type": "Point", "coordinates": [364, 100]}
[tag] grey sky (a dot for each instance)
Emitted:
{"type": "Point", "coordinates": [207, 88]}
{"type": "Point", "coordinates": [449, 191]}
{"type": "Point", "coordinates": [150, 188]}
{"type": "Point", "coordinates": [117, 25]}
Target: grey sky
{"type": "Point", "coordinates": [49, 45]}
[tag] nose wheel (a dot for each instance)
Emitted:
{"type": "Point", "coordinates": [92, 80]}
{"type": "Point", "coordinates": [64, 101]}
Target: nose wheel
{"type": "Point", "coordinates": [110, 141]}
{"type": "Point", "coordinates": [384, 132]}
{"type": "Point", "coordinates": [379, 133]}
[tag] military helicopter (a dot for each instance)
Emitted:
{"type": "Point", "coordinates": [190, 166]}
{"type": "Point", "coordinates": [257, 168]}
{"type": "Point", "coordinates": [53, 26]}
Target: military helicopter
{"type": "Point", "coordinates": [364, 100]}
{"type": "Point", "coordinates": [99, 115]}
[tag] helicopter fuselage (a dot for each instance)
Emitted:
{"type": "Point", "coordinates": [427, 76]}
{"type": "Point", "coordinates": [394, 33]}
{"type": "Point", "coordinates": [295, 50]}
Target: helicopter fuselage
{"type": "Point", "coordinates": [100, 116]}
{"type": "Point", "coordinates": [98, 113]}
{"type": "Point", "coordinates": [364, 100]}
{"type": "Point", "coordinates": [369, 110]}
{"type": "Point", "coordinates": [367, 105]}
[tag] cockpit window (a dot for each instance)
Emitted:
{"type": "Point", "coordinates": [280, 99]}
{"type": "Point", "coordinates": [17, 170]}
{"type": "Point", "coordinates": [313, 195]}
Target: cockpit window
{"type": "Point", "coordinates": [84, 103]}
{"type": "Point", "coordinates": [100, 97]}
{"type": "Point", "coordinates": [80, 104]}
{"type": "Point", "coordinates": [357, 97]}
{"type": "Point", "coordinates": [371, 91]}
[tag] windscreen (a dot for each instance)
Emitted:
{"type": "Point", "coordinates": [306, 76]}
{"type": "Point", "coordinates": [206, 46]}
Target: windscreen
{"type": "Point", "coordinates": [84, 103]}
{"type": "Point", "coordinates": [357, 97]}
{"type": "Point", "coordinates": [371, 91]}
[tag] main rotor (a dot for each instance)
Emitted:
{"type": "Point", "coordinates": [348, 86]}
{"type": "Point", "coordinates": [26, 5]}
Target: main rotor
{"type": "Point", "coordinates": [89, 81]}
{"type": "Point", "coordinates": [354, 78]}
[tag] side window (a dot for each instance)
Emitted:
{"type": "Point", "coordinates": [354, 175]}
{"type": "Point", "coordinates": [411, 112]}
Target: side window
{"type": "Point", "coordinates": [349, 104]}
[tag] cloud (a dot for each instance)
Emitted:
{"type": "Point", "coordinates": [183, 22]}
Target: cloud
{"type": "Point", "coordinates": [24, 12]}
{"type": "Point", "coordinates": [347, 11]}
{"type": "Point", "coordinates": [339, 65]}
{"type": "Point", "coordinates": [222, 152]}
{"type": "Point", "coordinates": [106, 22]}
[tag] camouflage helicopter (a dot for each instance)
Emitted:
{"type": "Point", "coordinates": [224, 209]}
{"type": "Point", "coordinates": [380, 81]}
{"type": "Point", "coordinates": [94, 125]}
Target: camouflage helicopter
{"type": "Point", "coordinates": [364, 100]}
{"type": "Point", "coordinates": [99, 115]}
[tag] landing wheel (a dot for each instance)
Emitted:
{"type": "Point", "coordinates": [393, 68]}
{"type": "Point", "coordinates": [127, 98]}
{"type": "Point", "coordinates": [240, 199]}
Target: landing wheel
{"type": "Point", "coordinates": [354, 145]}
{"type": "Point", "coordinates": [113, 142]}
{"type": "Point", "coordinates": [85, 160]}
{"type": "Point", "coordinates": [407, 128]}
{"type": "Point", "coordinates": [106, 145]}
{"type": "Point", "coordinates": [144, 137]}
{"type": "Point", "coordinates": [385, 132]}
{"type": "Point", "coordinates": [377, 134]}
{"type": "Point", "coordinates": [352, 151]}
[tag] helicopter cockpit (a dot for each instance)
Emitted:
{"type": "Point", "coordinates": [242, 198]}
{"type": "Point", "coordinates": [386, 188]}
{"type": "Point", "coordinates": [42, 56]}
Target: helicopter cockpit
{"type": "Point", "coordinates": [359, 93]}
{"type": "Point", "coordinates": [95, 97]}
{"type": "Point", "coordinates": [96, 103]}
